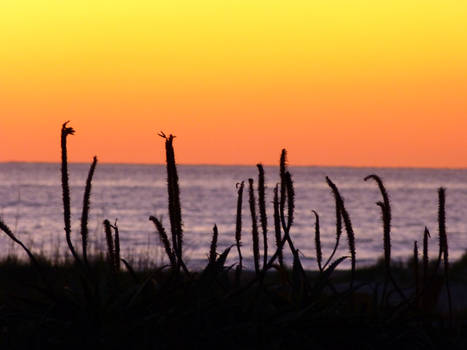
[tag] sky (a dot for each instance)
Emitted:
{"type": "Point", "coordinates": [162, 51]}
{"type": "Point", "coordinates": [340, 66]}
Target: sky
{"type": "Point", "coordinates": [355, 83]}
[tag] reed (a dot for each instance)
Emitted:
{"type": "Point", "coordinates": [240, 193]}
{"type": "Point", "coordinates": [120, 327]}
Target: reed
{"type": "Point", "coordinates": [262, 212]}
{"type": "Point", "coordinates": [283, 185]}
{"type": "Point", "coordinates": [426, 236]}
{"type": "Point", "coordinates": [443, 244]}
{"type": "Point", "coordinates": [385, 206]}
{"type": "Point", "coordinates": [319, 254]}
{"type": "Point", "coordinates": [213, 247]}
{"type": "Point", "coordinates": [116, 245]}
{"type": "Point", "coordinates": [277, 226]}
{"type": "Point", "coordinates": [338, 232]}
{"type": "Point", "coordinates": [164, 240]}
{"type": "Point", "coordinates": [65, 132]}
{"type": "Point", "coordinates": [386, 216]}
{"type": "Point", "coordinates": [254, 226]}
{"type": "Point", "coordinates": [110, 244]}
{"type": "Point", "coordinates": [175, 212]}
{"type": "Point", "coordinates": [290, 201]}
{"type": "Point", "coordinates": [443, 240]}
{"type": "Point", "coordinates": [287, 224]}
{"type": "Point", "coordinates": [85, 211]}
{"type": "Point", "coordinates": [238, 229]}
{"type": "Point", "coordinates": [348, 227]}
{"type": "Point", "coordinates": [416, 272]}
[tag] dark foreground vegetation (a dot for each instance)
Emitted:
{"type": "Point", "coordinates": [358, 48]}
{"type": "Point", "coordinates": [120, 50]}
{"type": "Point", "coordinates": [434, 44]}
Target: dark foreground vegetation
{"type": "Point", "coordinates": [103, 302]}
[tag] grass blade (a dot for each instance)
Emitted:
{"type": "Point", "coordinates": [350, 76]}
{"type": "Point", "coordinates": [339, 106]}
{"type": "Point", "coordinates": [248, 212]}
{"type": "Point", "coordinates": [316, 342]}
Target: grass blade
{"type": "Point", "coordinates": [212, 250]}
{"type": "Point", "coordinates": [262, 211]}
{"type": "Point", "coordinates": [348, 227]}
{"type": "Point", "coordinates": [164, 240]}
{"type": "Point", "coordinates": [254, 226]}
{"type": "Point", "coordinates": [66, 130]}
{"type": "Point", "coordinates": [319, 254]}
{"type": "Point", "coordinates": [85, 211]}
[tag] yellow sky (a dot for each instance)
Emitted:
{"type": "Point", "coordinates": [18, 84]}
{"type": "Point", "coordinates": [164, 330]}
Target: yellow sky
{"type": "Point", "coordinates": [336, 82]}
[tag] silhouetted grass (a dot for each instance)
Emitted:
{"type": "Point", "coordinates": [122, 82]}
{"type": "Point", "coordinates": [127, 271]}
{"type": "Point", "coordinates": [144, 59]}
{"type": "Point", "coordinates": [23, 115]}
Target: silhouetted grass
{"type": "Point", "coordinates": [254, 225]}
{"type": "Point", "coordinates": [347, 224]}
{"type": "Point", "coordinates": [66, 131]}
{"type": "Point", "coordinates": [164, 240]}
{"type": "Point", "coordinates": [238, 231]}
{"type": "Point", "coordinates": [275, 306]}
{"type": "Point", "coordinates": [85, 212]}
{"type": "Point", "coordinates": [262, 212]}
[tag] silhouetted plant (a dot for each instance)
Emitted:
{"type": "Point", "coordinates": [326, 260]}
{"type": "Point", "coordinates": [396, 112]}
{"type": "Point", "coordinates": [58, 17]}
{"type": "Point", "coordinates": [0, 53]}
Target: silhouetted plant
{"type": "Point", "coordinates": [348, 227]}
{"type": "Point", "coordinates": [287, 223]}
{"type": "Point", "coordinates": [262, 211]}
{"type": "Point", "coordinates": [443, 243]}
{"type": "Point", "coordinates": [12, 236]}
{"type": "Point", "coordinates": [212, 250]}
{"type": "Point", "coordinates": [238, 230]}
{"type": "Point", "coordinates": [386, 218]}
{"type": "Point", "coordinates": [338, 232]}
{"type": "Point", "coordinates": [283, 186]}
{"type": "Point", "coordinates": [175, 212]}
{"type": "Point", "coordinates": [85, 212]}
{"type": "Point", "coordinates": [116, 245]}
{"type": "Point", "coordinates": [254, 226]}
{"type": "Point", "coordinates": [319, 254]}
{"type": "Point", "coordinates": [426, 236]}
{"type": "Point", "coordinates": [277, 226]}
{"type": "Point", "coordinates": [167, 310]}
{"type": "Point", "coordinates": [110, 244]}
{"type": "Point", "coordinates": [290, 201]}
{"type": "Point", "coordinates": [386, 215]}
{"type": "Point", "coordinates": [66, 130]}
{"type": "Point", "coordinates": [416, 274]}
{"type": "Point", "coordinates": [164, 240]}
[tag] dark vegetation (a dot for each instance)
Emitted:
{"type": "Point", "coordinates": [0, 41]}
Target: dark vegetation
{"type": "Point", "coordinates": [103, 302]}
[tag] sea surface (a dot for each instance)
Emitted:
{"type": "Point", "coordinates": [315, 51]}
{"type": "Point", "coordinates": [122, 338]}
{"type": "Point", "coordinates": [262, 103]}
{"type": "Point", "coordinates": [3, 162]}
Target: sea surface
{"type": "Point", "coordinates": [31, 204]}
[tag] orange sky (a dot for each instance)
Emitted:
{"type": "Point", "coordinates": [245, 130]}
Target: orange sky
{"type": "Point", "coordinates": [361, 83]}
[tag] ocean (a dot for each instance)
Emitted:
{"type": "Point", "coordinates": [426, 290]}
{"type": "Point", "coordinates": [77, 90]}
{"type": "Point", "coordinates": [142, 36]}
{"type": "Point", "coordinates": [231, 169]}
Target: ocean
{"type": "Point", "coordinates": [31, 204]}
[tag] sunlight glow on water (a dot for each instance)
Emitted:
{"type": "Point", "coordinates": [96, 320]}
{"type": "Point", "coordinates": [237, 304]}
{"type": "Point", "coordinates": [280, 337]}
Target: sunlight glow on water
{"type": "Point", "coordinates": [30, 203]}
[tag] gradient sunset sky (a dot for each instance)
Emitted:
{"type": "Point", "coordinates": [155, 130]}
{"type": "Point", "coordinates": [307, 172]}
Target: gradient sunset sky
{"type": "Point", "coordinates": [361, 83]}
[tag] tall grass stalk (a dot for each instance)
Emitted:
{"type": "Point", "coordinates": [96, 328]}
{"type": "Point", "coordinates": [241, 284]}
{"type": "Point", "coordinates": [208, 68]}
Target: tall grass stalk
{"type": "Point", "coordinates": [116, 245]}
{"type": "Point", "coordinates": [386, 216]}
{"type": "Point", "coordinates": [110, 244]}
{"type": "Point", "coordinates": [164, 240]}
{"type": "Point", "coordinates": [348, 227]}
{"type": "Point", "coordinates": [319, 254]}
{"type": "Point", "coordinates": [238, 229]}
{"type": "Point", "coordinates": [385, 206]}
{"type": "Point", "coordinates": [66, 130]}
{"type": "Point", "coordinates": [175, 212]}
{"type": "Point", "coordinates": [85, 212]}
{"type": "Point", "coordinates": [254, 226]}
{"type": "Point", "coordinates": [290, 200]}
{"type": "Point", "coordinates": [443, 243]}
{"type": "Point", "coordinates": [277, 226]}
{"type": "Point", "coordinates": [426, 236]}
{"type": "Point", "coordinates": [213, 248]}
{"type": "Point", "coordinates": [283, 186]}
{"type": "Point", "coordinates": [338, 232]}
{"type": "Point", "coordinates": [416, 272]}
{"type": "Point", "coordinates": [262, 212]}
{"type": "Point", "coordinates": [287, 224]}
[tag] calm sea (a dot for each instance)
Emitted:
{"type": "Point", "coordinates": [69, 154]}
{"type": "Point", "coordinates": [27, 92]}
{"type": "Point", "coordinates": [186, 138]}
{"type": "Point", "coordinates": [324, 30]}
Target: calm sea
{"type": "Point", "coordinates": [30, 203]}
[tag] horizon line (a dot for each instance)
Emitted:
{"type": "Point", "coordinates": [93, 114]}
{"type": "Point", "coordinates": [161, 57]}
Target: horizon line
{"type": "Point", "coordinates": [253, 165]}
